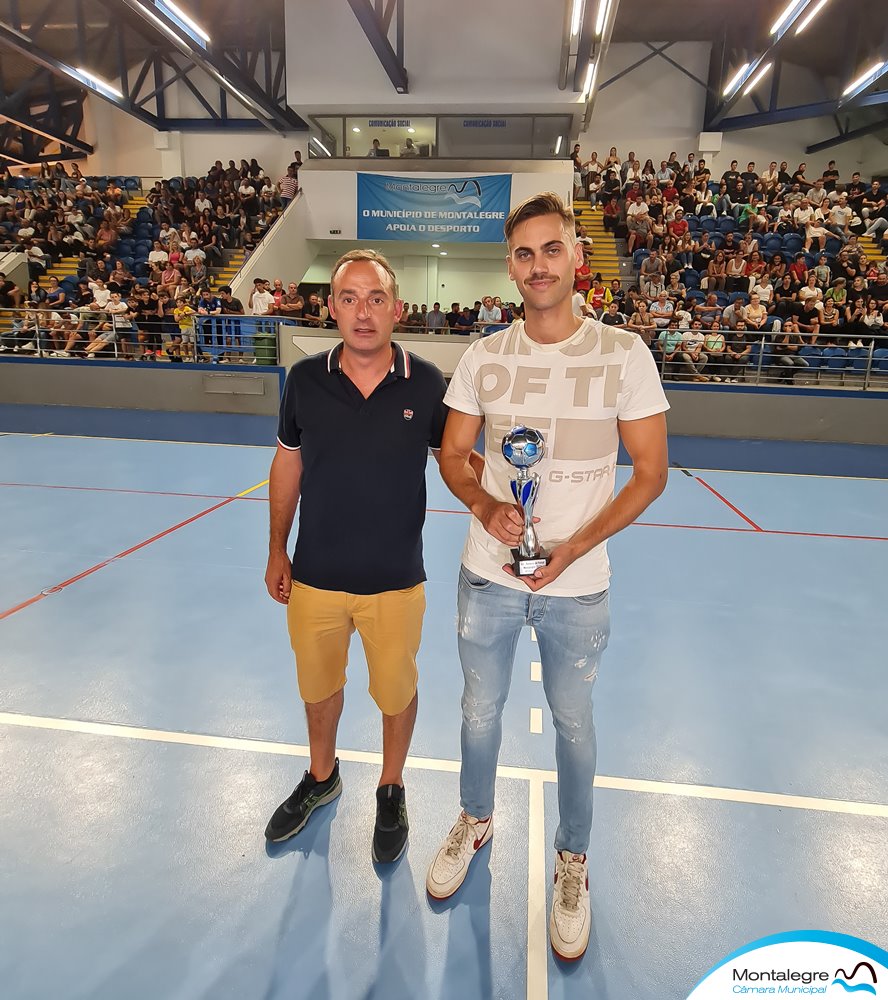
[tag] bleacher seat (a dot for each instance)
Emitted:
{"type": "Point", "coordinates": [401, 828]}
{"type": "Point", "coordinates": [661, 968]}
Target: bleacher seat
{"type": "Point", "coordinates": [708, 225]}
{"type": "Point", "coordinates": [726, 224]}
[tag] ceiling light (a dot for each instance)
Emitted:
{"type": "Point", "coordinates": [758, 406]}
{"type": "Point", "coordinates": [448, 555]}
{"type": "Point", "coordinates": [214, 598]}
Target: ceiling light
{"type": "Point", "coordinates": [601, 20]}
{"type": "Point", "coordinates": [355, 128]}
{"type": "Point", "coordinates": [815, 10]}
{"type": "Point", "coordinates": [196, 28]}
{"type": "Point", "coordinates": [443, 253]}
{"type": "Point", "coordinates": [318, 143]}
{"type": "Point", "coordinates": [98, 82]}
{"type": "Point", "coordinates": [791, 8]}
{"type": "Point", "coordinates": [159, 21]}
{"type": "Point", "coordinates": [575, 18]}
{"type": "Point", "coordinates": [734, 82]}
{"type": "Point", "coordinates": [590, 77]}
{"type": "Point", "coordinates": [757, 79]}
{"type": "Point", "coordinates": [411, 130]}
{"type": "Point", "coordinates": [862, 79]}
{"type": "Point", "coordinates": [435, 246]}
{"type": "Point", "coordinates": [558, 145]}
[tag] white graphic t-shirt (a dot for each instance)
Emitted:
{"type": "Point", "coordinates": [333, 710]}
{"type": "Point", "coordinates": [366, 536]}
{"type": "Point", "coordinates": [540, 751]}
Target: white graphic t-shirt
{"type": "Point", "coordinates": [572, 392]}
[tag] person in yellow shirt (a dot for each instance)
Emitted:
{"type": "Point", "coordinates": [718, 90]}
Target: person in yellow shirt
{"type": "Point", "coordinates": [183, 344]}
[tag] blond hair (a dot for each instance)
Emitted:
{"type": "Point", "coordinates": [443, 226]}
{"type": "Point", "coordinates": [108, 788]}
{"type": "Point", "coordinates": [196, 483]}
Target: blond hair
{"type": "Point", "coordinates": [547, 203]}
{"type": "Point", "coordinates": [366, 255]}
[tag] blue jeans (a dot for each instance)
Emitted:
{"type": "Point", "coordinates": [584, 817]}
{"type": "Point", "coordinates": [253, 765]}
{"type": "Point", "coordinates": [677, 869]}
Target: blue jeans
{"type": "Point", "coordinates": [572, 633]}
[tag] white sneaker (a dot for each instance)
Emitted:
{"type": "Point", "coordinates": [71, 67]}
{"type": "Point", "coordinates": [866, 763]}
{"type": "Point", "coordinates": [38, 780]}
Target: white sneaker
{"type": "Point", "coordinates": [28, 347]}
{"type": "Point", "coordinates": [451, 864]}
{"type": "Point", "coordinates": [571, 920]}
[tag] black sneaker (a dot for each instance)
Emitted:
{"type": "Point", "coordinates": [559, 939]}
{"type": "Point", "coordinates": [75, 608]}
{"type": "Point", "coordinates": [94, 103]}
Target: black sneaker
{"type": "Point", "coordinates": [390, 832]}
{"type": "Point", "coordinates": [291, 816]}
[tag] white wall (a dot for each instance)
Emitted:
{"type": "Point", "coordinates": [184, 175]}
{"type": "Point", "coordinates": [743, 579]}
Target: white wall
{"type": "Point", "coordinates": [125, 145]}
{"type": "Point", "coordinates": [433, 279]}
{"type": "Point", "coordinates": [460, 56]}
{"type": "Point", "coordinates": [284, 253]}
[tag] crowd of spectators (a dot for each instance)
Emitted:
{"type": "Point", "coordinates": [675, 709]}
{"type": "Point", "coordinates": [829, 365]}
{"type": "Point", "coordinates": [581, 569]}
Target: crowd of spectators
{"type": "Point", "coordinates": [723, 264]}
{"type": "Point", "coordinates": [139, 277]}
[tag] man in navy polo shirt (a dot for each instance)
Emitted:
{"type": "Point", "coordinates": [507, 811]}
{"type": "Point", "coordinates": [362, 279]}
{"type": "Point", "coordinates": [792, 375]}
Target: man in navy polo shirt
{"type": "Point", "coordinates": [356, 425]}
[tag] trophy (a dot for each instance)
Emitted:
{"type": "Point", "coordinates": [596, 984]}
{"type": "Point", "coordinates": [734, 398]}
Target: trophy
{"type": "Point", "coordinates": [523, 447]}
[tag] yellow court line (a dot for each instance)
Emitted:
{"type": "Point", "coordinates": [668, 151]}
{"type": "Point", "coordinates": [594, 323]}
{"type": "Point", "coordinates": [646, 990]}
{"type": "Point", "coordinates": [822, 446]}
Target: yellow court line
{"type": "Point", "coordinates": [252, 489]}
{"type": "Point", "coordinates": [639, 785]}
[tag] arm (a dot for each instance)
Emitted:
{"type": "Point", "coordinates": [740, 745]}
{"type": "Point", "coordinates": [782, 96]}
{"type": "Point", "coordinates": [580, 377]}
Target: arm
{"type": "Point", "coordinates": [284, 483]}
{"type": "Point", "coordinates": [645, 440]}
{"type": "Point", "coordinates": [460, 471]}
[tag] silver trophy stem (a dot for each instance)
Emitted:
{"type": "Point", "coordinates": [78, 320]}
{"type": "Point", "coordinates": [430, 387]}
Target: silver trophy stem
{"type": "Point", "coordinates": [529, 546]}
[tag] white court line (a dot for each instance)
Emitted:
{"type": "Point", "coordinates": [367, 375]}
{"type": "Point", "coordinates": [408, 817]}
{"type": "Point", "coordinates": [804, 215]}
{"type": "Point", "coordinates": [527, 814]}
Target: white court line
{"type": "Point", "coordinates": [792, 475]}
{"type": "Point", "coordinates": [97, 437]}
{"type": "Point", "coordinates": [536, 720]}
{"type": "Point", "coordinates": [533, 634]}
{"type": "Point", "coordinates": [537, 931]}
{"type": "Point", "coordinates": [536, 670]}
{"type": "Point", "coordinates": [640, 785]}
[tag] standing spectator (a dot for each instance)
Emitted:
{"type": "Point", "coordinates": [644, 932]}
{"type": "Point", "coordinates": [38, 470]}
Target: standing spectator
{"type": "Point", "coordinates": [288, 185]}
{"type": "Point", "coordinates": [261, 300]}
{"type": "Point", "coordinates": [436, 320]}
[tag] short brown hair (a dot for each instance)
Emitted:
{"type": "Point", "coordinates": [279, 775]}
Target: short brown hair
{"type": "Point", "coordinates": [369, 255]}
{"type": "Point", "coordinates": [547, 203]}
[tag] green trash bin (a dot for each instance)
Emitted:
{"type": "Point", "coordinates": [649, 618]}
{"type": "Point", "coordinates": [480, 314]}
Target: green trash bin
{"type": "Point", "coordinates": [265, 349]}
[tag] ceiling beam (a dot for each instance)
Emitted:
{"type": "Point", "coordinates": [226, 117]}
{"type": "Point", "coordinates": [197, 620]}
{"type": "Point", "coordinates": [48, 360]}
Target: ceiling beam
{"type": "Point", "coordinates": [375, 27]}
{"type": "Point", "coordinates": [857, 133]}
{"type": "Point", "coordinates": [821, 109]}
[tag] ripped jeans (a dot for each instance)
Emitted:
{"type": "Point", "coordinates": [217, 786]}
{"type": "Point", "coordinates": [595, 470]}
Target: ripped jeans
{"type": "Point", "coordinates": [572, 633]}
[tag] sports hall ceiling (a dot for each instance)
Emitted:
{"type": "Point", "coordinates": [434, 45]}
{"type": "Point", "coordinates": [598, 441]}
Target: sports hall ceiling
{"type": "Point", "coordinates": [846, 35]}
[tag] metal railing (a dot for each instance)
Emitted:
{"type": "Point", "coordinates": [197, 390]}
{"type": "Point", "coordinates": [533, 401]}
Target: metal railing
{"type": "Point", "coordinates": [76, 333]}
{"type": "Point", "coordinates": [41, 332]}
{"type": "Point", "coordinates": [812, 360]}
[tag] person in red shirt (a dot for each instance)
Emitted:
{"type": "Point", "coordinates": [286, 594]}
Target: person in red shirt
{"type": "Point", "coordinates": [799, 268]}
{"type": "Point", "coordinates": [679, 225]}
{"type": "Point", "coordinates": [670, 193]}
{"type": "Point", "coordinates": [583, 277]}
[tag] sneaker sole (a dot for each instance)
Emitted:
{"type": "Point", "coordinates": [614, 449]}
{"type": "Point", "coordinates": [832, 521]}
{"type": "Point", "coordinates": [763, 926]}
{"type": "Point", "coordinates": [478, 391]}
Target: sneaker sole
{"type": "Point", "coordinates": [561, 955]}
{"type": "Point", "coordinates": [390, 861]}
{"type": "Point", "coordinates": [487, 839]}
{"type": "Point", "coordinates": [329, 797]}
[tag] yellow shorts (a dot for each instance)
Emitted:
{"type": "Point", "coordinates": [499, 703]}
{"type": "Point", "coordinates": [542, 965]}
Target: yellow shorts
{"type": "Point", "coordinates": [321, 624]}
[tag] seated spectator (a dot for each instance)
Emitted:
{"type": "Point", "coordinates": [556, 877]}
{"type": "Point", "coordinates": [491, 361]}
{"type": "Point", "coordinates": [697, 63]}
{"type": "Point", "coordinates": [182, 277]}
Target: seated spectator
{"type": "Point", "coordinates": [641, 322]}
{"type": "Point", "coordinates": [612, 315]}
{"type": "Point", "coordinates": [661, 310]}
{"type": "Point", "coordinates": [737, 354]}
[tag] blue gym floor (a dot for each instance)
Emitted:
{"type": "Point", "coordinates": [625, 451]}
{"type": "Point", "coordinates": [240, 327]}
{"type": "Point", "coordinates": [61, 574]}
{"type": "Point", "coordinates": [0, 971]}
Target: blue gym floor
{"type": "Point", "coordinates": [150, 722]}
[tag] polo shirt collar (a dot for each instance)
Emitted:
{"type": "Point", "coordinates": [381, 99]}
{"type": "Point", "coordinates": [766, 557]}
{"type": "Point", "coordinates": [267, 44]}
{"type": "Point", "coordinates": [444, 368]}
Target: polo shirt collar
{"type": "Point", "coordinates": [400, 364]}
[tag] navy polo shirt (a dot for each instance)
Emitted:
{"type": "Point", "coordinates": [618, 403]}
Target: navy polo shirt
{"type": "Point", "coordinates": [363, 492]}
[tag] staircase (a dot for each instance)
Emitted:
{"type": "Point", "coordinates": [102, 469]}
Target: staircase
{"type": "Point", "coordinates": [234, 261]}
{"type": "Point", "coordinates": [871, 248]}
{"type": "Point", "coordinates": [604, 256]}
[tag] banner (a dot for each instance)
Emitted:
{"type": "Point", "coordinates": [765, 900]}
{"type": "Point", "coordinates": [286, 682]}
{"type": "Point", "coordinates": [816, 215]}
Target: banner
{"type": "Point", "coordinates": [445, 209]}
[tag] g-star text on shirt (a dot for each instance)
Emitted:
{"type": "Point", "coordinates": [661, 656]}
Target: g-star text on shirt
{"type": "Point", "coordinates": [584, 476]}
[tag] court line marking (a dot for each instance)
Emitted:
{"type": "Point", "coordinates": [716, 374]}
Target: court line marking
{"type": "Point", "coordinates": [97, 437]}
{"type": "Point", "coordinates": [536, 721]}
{"type": "Point", "coordinates": [122, 555]}
{"type": "Point", "coordinates": [435, 510]}
{"type": "Point", "coordinates": [537, 929]}
{"type": "Point", "coordinates": [271, 447]}
{"type": "Point", "coordinates": [536, 670]}
{"type": "Point", "coordinates": [727, 503]}
{"type": "Point", "coordinates": [716, 793]}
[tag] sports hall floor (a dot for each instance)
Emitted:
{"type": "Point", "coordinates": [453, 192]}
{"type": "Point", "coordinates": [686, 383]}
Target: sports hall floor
{"type": "Point", "coordinates": [149, 723]}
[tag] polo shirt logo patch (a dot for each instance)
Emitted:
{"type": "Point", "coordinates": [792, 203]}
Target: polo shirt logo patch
{"type": "Point", "coordinates": [408, 414]}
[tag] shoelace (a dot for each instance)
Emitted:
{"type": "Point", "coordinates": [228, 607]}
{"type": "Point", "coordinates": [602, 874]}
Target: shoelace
{"type": "Point", "coordinates": [569, 879]}
{"type": "Point", "coordinates": [390, 810]}
{"type": "Point", "coordinates": [457, 837]}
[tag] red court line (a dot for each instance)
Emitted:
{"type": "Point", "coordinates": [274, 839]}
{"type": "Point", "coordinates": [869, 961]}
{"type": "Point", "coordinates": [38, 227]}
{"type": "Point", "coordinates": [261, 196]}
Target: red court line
{"type": "Point", "coordinates": [721, 527]}
{"type": "Point", "coordinates": [107, 562]}
{"type": "Point", "coordinates": [728, 503]}
{"type": "Point", "coordinates": [146, 493]}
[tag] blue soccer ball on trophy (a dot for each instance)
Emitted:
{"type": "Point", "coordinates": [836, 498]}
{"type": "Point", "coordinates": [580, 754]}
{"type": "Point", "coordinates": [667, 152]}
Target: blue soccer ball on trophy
{"type": "Point", "coordinates": [523, 447]}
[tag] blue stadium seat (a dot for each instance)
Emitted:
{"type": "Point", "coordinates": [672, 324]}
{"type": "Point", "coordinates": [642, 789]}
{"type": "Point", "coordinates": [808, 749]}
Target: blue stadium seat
{"type": "Point", "coordinates": [792, 243]}
{"type": "Point", "coordinates": [691, 278]}
{"type": "Point", "coordinates": [638, 256]}
{"type": "Point", "coordinates": [734, 296]}
{"type": "Point", "coordinates": [833, 245]}
{"type": "Point", "coordinates": [708, 224]}
{"type": "Point", "coordinates": [722, 298]}
{"type": "Point", "coordinates": [695, 295]}
{"type": "Point", "coordinates": [773, 244]}
{"type": "Point", "coordinates": [144, 215]}
{"type": "Point", "coordinates": [693, 222]}
{"type": "Point", "coordinates": [132, 184]}
{"type": "Point", "coordinates": [726, 224]}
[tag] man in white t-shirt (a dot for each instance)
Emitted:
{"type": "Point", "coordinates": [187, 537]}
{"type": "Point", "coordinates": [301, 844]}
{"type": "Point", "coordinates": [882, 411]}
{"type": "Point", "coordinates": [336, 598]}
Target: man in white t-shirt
{"type": "Point", "coordinates": [584, 386]}
{"type": "Point", "coordinates": [261, 299]}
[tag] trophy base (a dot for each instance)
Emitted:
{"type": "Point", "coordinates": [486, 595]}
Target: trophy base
{"type": "Point", "coordinates": [527, 565]}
